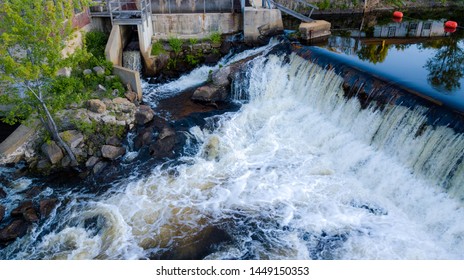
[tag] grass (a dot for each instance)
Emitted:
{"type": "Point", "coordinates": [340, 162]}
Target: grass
{"type": "Point", "coordinates": [175, 44]}
{"type": "Point", "coordinates": [215, 38]}
{"type": "Point", "coordinates": [157, 49]}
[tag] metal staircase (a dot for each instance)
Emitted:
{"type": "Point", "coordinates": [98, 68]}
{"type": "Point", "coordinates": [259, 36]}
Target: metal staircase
{"type": "Point", "coordinates": [272, 4]}
{"type": "Point", "coordinates": [130, 12]}
{"type": "Point", "coordinates": [123, 12]}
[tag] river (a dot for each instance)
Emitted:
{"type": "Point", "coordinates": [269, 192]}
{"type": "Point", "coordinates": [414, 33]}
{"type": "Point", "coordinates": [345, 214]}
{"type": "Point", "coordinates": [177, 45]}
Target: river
{"type": "Point", "coordinates": [296, 170]}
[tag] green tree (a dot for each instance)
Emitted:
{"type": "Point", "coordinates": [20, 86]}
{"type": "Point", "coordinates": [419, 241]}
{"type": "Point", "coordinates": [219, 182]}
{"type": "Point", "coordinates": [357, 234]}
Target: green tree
{"type": "Point", "coordinates": [33, 35]}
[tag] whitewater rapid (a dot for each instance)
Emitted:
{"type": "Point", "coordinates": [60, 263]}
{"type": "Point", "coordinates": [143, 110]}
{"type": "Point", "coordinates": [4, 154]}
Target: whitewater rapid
{"type": "Point", "coordinates": [299, 172]}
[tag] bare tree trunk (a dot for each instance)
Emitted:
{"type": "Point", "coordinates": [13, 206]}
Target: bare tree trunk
{"type": "Point", "coordinates": [54, 131]}
{"type": "Point", "coordinates": [52, 128]}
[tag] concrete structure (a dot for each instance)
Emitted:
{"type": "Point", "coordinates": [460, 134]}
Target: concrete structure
{"type": "Point", "coordinates": [257, 21]}
{"type": "Point", "coordinates": [117, 40]}
{"type": "Point", "coordinates": [195, 6]}
{"type": "Point", "coordinates": [187, 26]}
{"type": "Point", "coordinates": [314, 29]}
{"type": "Point", "coordinates": [130, 77]}
{"type": "Point", "coordinates": [17, 139]}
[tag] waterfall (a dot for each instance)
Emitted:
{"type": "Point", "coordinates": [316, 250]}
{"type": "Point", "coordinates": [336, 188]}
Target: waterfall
{"type": "Point", "coordinates": [299, 172]}
{"type": "Point", "coordinates": [132, 60]}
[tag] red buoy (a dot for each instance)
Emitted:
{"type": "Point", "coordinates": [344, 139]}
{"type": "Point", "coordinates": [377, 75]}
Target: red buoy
{"type": "Point", "coordinates": [395, 19]}
{"type": "Point", "coordinates": [397, 14]}
{"type": "Point", "coordinates": [450, 30]}
{"type": "Point", "coordinates": [451, 24]}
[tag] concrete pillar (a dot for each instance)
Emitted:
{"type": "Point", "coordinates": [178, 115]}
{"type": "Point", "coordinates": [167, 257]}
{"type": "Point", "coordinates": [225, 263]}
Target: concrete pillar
{"type": "Point", "coordinates": [257, 3]}
{"type": "Point", "coordinates": [113, 50]}
{"type": "Point", "coordinates": [145, 32]}
{"type": "Point", "coordinates": [265, 19]}
{"type": "Point", "coordinates": [314, 29]}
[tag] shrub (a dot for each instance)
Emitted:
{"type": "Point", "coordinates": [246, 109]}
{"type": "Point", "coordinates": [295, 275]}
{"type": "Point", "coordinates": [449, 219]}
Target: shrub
{"type": "Point", "coordinates": [215, 38]}
{"type": "Point", "coordinates": [175, 44]}
{"type": "Point", "coordinates": [157, 48]}
{"type": "Point", "coordinates": [192, 59]}
{"type": "Point", "coordinates": [95, 43]}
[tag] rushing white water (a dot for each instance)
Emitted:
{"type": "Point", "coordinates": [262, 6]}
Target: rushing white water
{"type": "Point", "coordinates": [299, 172]}
{"type": "Point", "coordinates": [198, 76]}
{"type": "Point", "coordinates": [132, 60]}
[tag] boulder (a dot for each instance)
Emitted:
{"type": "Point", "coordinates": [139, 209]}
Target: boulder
{"type": "Point", "coordinates": [2, 193]}
{"type": "Point", "coordinates": [87, 72]}
{"type": "Point", "coordinates": [144, 115]}
{"type": "Point", "coordinates": [99, 167]}
{"type": "Point", "coordinates": [52, 151]}
{"type": "Point", "coordinates": [33, 192]}
{"type": "Point", "coordinates": [46, 206]}
{"type": "Point", "coordinates": [100, 71]}
{"type": "Point", "coordinates": [43, 165]}
{"type": "Point", "coordinates": [166, 132]}
{"type": "Point", "coordinates": [30, 215]}
{"type": "Point", "coordinates": [66, 161]}
{"type": "Point", "coordinates": [25, 210]}
{"type": "Point", "coordinates": [15, 229]}
{"type": "Point", "coordinates": [72, 137]}
{"type": "Point", "coordinates": [92, 161]}
{"type": "Point", "coordinates": [131, 96]}
{"type": "Point", "coordinates": [18, 211]}
{"type": "Point", "coordinates": [164, 147]}
{"type": "Point", "coordinates": [123, 105]}
{"type": "Point", "coordinates": [113, 141]}
{"type": "Point", "coordinates": [210, 93]}
{"type": "Point", "coordinates": [2, 212]}
{"type": "Point", "coordinates": [143, 138]}
{"type": "Point", "coordinates": [112, 152]}
{"type": "Point", "coordinates": [101, 88]}
{"type": "Point", "coordinates": [64, 72]}
{"type": "Point", "coordinates": [221, 76]}
{"type": "Point", "coordinates": [96, 106]}
{"type": "Point", "coordinates": [110, 78]}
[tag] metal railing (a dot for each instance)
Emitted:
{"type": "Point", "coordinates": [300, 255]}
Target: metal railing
{"type": "Point", "coordinates": [128, 12]}
{"type": "Point", "coordinates": [272, 4]}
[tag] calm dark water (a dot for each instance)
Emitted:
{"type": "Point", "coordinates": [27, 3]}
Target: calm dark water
{"type": "Point", "coordinates": [416, 53]}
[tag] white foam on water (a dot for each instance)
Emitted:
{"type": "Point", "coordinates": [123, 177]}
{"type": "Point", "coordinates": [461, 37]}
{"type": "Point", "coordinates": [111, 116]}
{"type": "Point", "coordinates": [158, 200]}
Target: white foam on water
{"type": "Point", "coordinates": [154, 92]}
{"type": "Point", "coordinates": [298, 172]}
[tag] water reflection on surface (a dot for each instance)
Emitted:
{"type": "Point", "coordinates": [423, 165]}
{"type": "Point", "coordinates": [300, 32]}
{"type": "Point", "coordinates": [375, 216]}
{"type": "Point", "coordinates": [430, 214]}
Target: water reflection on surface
{"type": "Point", "coordinates": [416, 53]}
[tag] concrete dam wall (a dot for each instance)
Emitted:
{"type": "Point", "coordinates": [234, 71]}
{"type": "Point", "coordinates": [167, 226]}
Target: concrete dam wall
{"type": "Point", "coordinates": [195, 6]}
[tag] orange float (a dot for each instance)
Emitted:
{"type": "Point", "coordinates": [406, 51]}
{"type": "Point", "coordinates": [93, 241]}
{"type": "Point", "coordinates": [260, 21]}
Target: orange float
{"type": "Point", "coordinates": [450, 30]}
{"type": "Point", "coordinates": [451, 24]}
{"type": "Point", "coordinates": [397, 14]}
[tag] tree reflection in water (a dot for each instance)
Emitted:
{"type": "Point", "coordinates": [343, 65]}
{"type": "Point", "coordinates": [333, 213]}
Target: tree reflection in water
{"type": "Point", "coordinates": [373, 53]}
{"type": "Point", "coordinates": [446, 68]}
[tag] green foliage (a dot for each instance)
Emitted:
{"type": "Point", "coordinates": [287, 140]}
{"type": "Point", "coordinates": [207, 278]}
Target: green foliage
{"type": "Point", "coordinates": [157, 48]}
{"type": "Point", "coordinates": [33, 35]}
{"type": "Point", "coordinates": [215, 38]}
{"type": "Point", "coordinates": [193, 41]}
{"type": "Point", "coordinates": [175, 44]}
{"type": "Point", "coordinates": [110, 130]}
{"type": "Point", "coordinates": [92, 128]}
{"type": "Point", "coordinates": [396, 3]}
{"type": "Point", "coordinates": [87, 128]}
{"type": "Point", "coordinates": [172, 63]}
{"type": "Point", "coordinates": [95, 43]}
{"type": "Point", "coordinates": [192, 59]}
{"type": "Point", "coordinates": [324, 5]}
